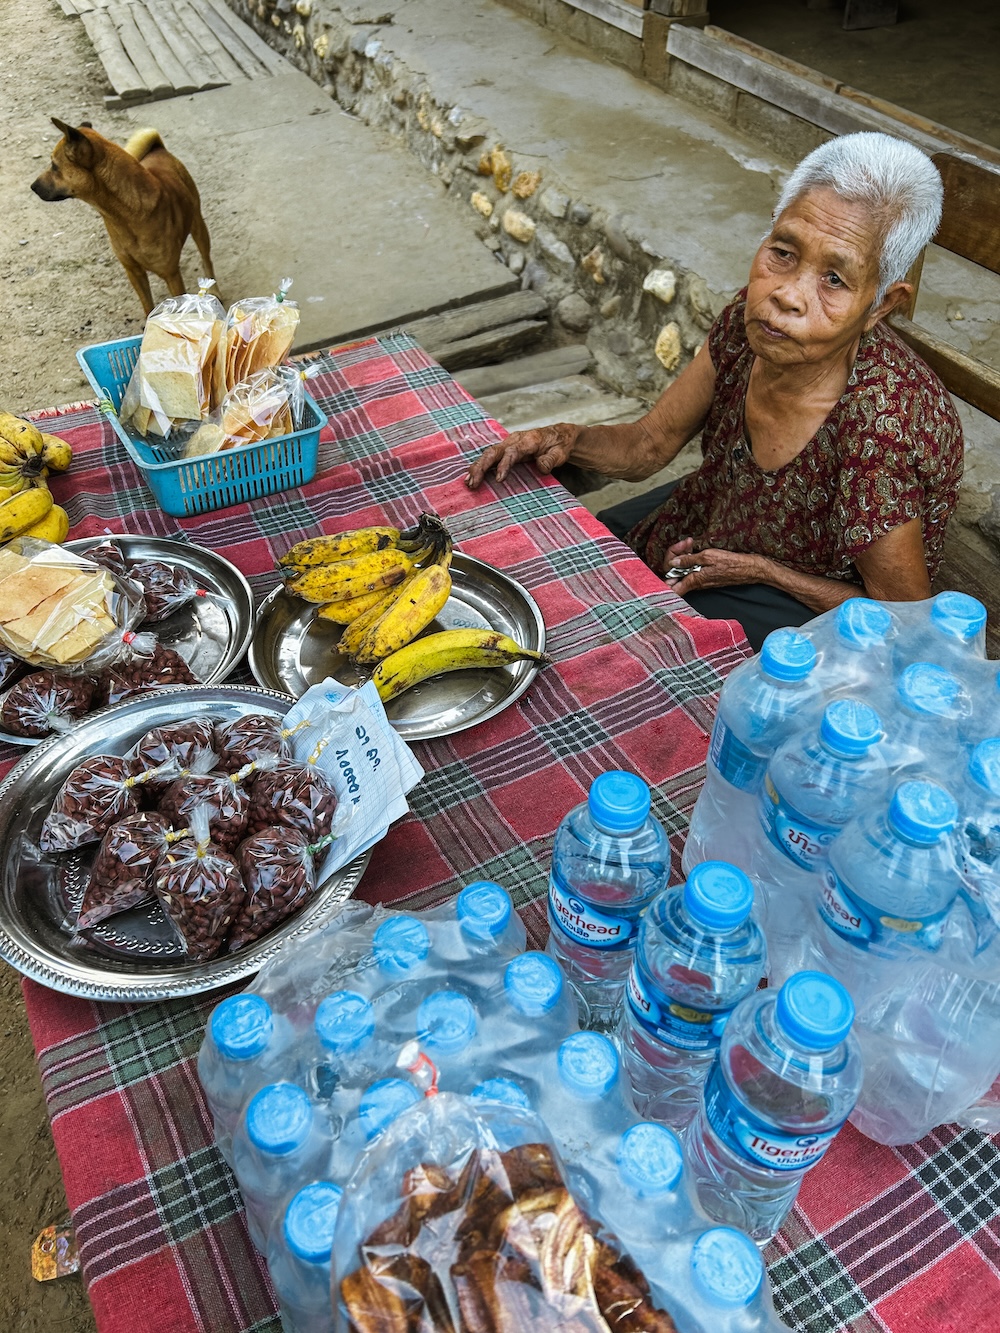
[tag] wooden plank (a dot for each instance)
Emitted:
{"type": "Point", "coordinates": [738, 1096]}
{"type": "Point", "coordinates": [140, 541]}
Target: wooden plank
{"type": "Point", "coordinates": [271, 60]}
{"type": "Point", "coordinates": [615, 12]}
{"type": "Point", "coordinates": [206, 40]}
{"type": "Point", "coordinates": [966, 377]}
{"type": "Point", "coordinates": [137, 50]}
{"type": "Point", "coordinates": [970, 565]}
{"type": "Point", "coordinates": [180, 79]}
{"type": "Point", "coordinates": [539, 368]}
{"type": "Point", "coordinates": [970, 221]}
{"type": "Point", "coordinates": [200, 67]}
{"type": "Point", "coordinates": [494, 344]}
{"type": "Point", "coordinates": [467, 321]}
{"type": "Point", "coordinates": [122, 74]}
{"type": "Point", "coordinates": [772, 58]}
{"type": "Point", "coordinates": [931, 128]}
{"type": "Point", "coordinates": [230, 40]}
{"type": "Point", "coordinates": [69, 8]}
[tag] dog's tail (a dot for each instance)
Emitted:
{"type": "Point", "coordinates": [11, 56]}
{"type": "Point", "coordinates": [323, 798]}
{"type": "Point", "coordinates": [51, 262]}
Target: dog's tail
{"type": "Point", "coordinates": [143, 142]}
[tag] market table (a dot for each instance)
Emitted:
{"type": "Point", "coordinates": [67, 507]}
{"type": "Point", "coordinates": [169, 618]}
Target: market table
{"type": "Point", "coordinates": [904, 1239]}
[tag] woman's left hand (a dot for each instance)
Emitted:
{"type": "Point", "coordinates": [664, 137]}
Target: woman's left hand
{"type": "Point", "coordinates": [719, 569]}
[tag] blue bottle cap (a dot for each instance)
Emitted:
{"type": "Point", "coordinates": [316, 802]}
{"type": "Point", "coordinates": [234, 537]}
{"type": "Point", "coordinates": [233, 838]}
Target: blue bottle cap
{"type": "Point", "coordinates": [241, 1026]}
{"type": "Point", "coordinates": [400, 944]}
{"type": "Point", "coordinates": [984, 766]}
{"type": "Point", "coordinates": [483, 909]}
{"type": "Point", "coordinates": [650, 1159]}
{"type": "Point", "coordinates": [533, 983]}
{"type": "Point", "coordinates": [446, 1022]}
{"type": "Point", "coordinates": [787, 655]}
{"type": "Point", "coordinates": [718, 896]}
{"type": "Point", "coordinates": [619, 802]}
{"type": "Point", "coordinates": [279, 1119]}
{"type": "Point", "coordinates": [922, 812]}
{"type": "Point", "coordinates": [849, 727]}
{"type": "Point", "coordinates": [928, 690]}
{"type": "Point", "coordinates": [588, 1064]}
{"type": "Point", "coordinates": [726, 1267]}
{"type": "Point", "coordinates": [862, 623]}
{"type": "Point", "coordinates": [814, 1011]}
{"type": "Point", "coordinates": [310, 1221]}
{"type": "Point", "coordinates": [958, 614]}
{"type": "Point", "coordinates": [502, 1090]}
{"type": "Point", "coordinates": [344, 1021]}
{"type": "Point", "coordinates": [382, 1102]}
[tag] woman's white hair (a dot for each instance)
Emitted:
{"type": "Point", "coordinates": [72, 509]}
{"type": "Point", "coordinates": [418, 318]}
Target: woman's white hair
{"type": "Point", "coordinates": [899, 183]}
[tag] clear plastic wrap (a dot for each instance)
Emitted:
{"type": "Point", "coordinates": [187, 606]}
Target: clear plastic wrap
{"type": "Point", "coordinates": [191, 743]}
{"type": "Point", "coordinates": [222, 795]}
{"type": "Point", "coordinates": [291, 795]}
{"type": "Point", "coordinates": [44, 702]}
{"type": "Point", "coordinates": [165, 588]}
{"type": "Point", "coordinates": [60, 610]}
{"type": "Point", "coordinates": [141, 664]}
{"type": "Point", "coordinates": [459, 1217]}
{"type": "Point", "coordinates": [260, 331]}
{"type": "Point", "coordinates": [179, 375]}
{"type": "Point", "coordinates": [247, 739]}
{"type": "Point", "coordinates": [11, 667]}
{"type": "Point", "coordinates": [199, 888]}
{"type": "Point", "coordinates": [265, 405]}
{"type": "Point", "coordinates": [97, 793]}
{"type": "Point", "coordinates": [122, 873]}
{"type": "Point", "coordinates": [278, 871]}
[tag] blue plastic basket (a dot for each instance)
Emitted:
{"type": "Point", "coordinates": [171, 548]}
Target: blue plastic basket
{"type": "Point", "coordinates": [188, 486]}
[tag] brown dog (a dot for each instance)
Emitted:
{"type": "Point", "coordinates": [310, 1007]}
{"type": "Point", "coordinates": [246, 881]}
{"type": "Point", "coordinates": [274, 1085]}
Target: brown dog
{"type": "Point", "coordinates": [149, 203]}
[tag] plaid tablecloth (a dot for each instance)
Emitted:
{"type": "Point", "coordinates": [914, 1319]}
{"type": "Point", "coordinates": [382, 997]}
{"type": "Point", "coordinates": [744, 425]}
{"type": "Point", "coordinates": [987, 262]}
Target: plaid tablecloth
{"type": "Point", "coordinates": [905, 1240]}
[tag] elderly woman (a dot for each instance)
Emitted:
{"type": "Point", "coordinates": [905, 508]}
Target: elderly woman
{"type": "Point", "coordinates": [831, 454]}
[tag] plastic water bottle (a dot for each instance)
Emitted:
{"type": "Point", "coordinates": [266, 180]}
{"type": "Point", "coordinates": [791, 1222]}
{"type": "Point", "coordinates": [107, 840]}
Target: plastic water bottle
{"type": "Point", "coordinates": [815, 783]}
{"type": "Point", "coordinates": [345, 1050]}
{"type": "Point", "coordinates": [530, 1012]}
{"type": "Point", "coordinates": [722, 1285]}
{"type": "Point", "coordinates": [400, 947]}
{"type": "Point", "coordinates": [855, 645]}
{"type": "Point", "coordinates": [787, 1074]}
{"type": "Point", "coordinates": [981, 812]}
{"type": "Point", "coordinates": [608, 860]}
{"type": "Point", "coordinates": [891, 879]}
{"type": "Point", "coordinates": [503, 1090]}
{"type": "Point", "coordinates": [281, 1141]}
{"type": "Point", "coordinates": [379, 1105]}
{"type": "Point", "coordinates": [298, 1258]}
{"type": "Point", "coordinates": [956, 630]}
{"type": "Point", "coordinates": [446, 1030]}
{"type": "Point", "coordinates": [245, 1042]}
{"type": "Point", "coordinates": [487, 923]}
{"type": "Point", "coordinates": [698, 954]}
{"type": "Point", "coordinates": [761, 703]}
{"type": "Point", "coordinates": [582, 1097]}
{"type": "Point", "coordinates": [930, 706]}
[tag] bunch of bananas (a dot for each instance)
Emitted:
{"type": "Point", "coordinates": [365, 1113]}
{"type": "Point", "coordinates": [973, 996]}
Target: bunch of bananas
{"type": "Point", "coordinates": [27, 456]}
{"type": "Point", "coordinates": [385, 587]}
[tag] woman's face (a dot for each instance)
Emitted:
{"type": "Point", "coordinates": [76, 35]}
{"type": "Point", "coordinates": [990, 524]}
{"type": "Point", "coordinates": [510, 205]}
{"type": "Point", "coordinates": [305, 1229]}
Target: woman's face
{"type": "Point", "coordinates": [813, 281]}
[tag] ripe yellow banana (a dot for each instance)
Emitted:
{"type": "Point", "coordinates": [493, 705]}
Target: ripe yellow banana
{"type": "Point", "coordinates": [325, 550]}
{"type": "Point", "coordinates": [20, 433]}
{"type": "Point", "coordinates": [353, 633]}
{"type": "Point", "coordinates": [412, 611]}
{"type": "Point", "coordinates": [54, 527]}
{"type": "Point", "coordinates": [13, 480]}
{"type": "Point", "coordinates": [23, 511]}
{"type": "Point", "coordinates": [353, 577]}
{"type": "Point", "coordinates": [342, 613]}
{"type": "Point", "coordinates": [56, 453]}
{"type": "Point", "coordinates": [451, 650]}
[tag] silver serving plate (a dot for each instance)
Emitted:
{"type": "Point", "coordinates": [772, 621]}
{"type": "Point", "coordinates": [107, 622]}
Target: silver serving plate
{"type": "Point", "coordinates": [130, 956]}
{"type": "Point", "coordinates": [210, 635]}
{"type": "Point", "coordinates": [292, 648]}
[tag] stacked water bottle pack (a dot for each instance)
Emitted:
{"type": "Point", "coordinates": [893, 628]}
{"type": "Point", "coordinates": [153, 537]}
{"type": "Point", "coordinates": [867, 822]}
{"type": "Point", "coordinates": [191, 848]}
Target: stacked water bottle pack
{"type": "Point", "coordinates": [854, 773]}
{"type": "Point", "coordinates": [338, 1051]}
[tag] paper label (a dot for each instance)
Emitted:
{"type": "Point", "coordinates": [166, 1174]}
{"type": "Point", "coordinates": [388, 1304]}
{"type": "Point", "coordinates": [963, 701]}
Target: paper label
{"type": "Point", "coordinates": [753, 1140]}
{"type": "Point", "coordinates": [672, 1021]}
{"type": "Point", "coordinates": [802, 840]}
{"type": "Point", "coordinates": [585, 924]}
{"type": "Point", "coordinates": [736, 762]}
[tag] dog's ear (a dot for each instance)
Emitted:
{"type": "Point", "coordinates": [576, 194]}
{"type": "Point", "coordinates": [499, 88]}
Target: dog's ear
{"type": "Point", "coordinates": [78, 146]}
{"type": "Point", "coordinates": [85, 125]}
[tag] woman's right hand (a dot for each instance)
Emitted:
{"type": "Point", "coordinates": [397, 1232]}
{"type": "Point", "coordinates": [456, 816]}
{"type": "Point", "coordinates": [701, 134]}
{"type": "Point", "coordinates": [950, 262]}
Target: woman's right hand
{"type": "Point", "coordinates": [548, 447]}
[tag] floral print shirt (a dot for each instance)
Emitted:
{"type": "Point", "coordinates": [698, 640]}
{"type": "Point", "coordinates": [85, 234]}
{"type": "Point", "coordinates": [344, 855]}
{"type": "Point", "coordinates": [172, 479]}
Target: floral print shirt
{"type": "Point", "coordinates": [890, 451]}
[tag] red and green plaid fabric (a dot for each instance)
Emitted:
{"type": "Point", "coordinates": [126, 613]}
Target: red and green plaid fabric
{"type": "Point", "coordinates": [901, 1239]}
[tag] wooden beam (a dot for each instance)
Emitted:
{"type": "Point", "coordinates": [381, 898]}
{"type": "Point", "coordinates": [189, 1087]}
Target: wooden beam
{"type": "Point", "coordinates": [122, 74]}
{"type": "Point", "coordinates": [271, 60]}
{"type": "Point", "coordinates": [181, 79]}
{"type": "Point", "coordinates": [970, 222]}
{"type": "Point", "coordinates": [772, 58]}
{"type": "Point", "coordinates": [966, 377]}
{"type": "Point", "coordinates": [615, 12]}
{"type": "Point", "coordinates": [467, 321]}
{"type": "Point", "coordinates": [493, 345]}
{"type": "Point", "coordinates": [137, 50]}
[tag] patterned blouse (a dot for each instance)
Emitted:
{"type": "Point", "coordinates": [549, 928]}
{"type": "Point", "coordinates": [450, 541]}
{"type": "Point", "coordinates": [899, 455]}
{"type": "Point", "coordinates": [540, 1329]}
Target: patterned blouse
{"type": "Point", "coordinates": [890, 451]}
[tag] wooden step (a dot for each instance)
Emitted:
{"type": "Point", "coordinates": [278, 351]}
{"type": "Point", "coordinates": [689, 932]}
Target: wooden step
{"type": "Point", "coordinates": [467, 321]}
{"type": "Point", "coordinates": [481, 381]}
{"type": "Point", "coordinates": [574, 398]}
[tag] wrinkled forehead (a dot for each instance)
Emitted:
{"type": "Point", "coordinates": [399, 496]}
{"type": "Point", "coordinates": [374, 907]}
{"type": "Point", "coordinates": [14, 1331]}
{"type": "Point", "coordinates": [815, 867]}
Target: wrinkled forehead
{"type": "Point", "coordinates": [845, 233]}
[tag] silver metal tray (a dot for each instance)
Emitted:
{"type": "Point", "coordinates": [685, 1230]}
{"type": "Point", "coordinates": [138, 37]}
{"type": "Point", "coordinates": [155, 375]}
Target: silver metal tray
{"type": "Point", "coordinates": [292, 649]}
{"type": "Point", "coordinates": [210, 635]}
{"type": "Point", "coordinates": [130, 956]}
